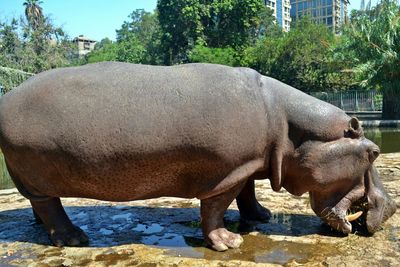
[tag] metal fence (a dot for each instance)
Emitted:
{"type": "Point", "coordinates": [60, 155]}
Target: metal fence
{"type": "Point", "coordinates": [353, 100]}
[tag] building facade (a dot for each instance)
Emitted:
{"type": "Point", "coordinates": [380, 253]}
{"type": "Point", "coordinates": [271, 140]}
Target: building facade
{"type": "Point", "coordinates": [281, 10]}
{"type": "Point", "coordinates": [85, 45]}
{"type": "Point", "coordinates": [332, 13]}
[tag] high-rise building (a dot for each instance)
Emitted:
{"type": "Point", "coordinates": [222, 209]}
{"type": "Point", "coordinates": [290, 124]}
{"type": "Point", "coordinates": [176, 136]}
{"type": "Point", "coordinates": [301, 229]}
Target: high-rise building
{"type": "Point", "coordinates": [329, 12]}
{"type": "Point", "coordinates": [281, 10]}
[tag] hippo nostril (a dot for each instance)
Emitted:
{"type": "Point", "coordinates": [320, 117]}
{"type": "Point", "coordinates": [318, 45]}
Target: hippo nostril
{"type": "Point", "coordinates": [373, 154]}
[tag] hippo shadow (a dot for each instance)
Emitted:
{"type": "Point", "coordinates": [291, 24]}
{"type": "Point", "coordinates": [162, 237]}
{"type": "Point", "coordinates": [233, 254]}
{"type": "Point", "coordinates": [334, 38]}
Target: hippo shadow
{"type": "Point", "coordinates": [158, 226]}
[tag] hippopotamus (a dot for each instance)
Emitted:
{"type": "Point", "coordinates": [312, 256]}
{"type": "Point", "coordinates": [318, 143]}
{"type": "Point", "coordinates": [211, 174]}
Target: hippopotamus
{"type": "Point", "coordinates": [121, 132]}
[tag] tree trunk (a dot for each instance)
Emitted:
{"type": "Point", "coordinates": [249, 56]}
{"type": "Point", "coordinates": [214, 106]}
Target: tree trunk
{"type": "Point", "coordinates": [391, 102]}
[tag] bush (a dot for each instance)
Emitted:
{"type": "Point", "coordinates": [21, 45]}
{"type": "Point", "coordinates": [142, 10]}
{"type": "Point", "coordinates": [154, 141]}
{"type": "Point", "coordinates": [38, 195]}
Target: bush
{"type": "Point", "coordinates": [10, 78]}
{"type": "Point", "coordinates": [224, 56]}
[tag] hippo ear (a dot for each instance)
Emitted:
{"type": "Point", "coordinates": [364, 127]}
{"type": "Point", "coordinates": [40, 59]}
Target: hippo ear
{"type": "Point", "coordinates": [354, 129]}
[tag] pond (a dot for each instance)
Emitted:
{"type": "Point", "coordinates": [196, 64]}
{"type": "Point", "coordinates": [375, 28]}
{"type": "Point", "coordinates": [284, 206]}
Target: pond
{"type": "Point", "coordinates": [388, 139]}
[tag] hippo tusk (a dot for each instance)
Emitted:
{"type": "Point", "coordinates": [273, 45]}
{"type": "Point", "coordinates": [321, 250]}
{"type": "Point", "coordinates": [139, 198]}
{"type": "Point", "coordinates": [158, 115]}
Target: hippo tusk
{"type": "Point", "coordinates": [353, 217]}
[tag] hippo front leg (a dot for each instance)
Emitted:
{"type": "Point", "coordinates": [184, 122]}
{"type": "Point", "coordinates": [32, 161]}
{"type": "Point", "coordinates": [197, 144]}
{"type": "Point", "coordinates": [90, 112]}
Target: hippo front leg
{"type": "Point", "coordinates": [212, 214]}
{"type": "Point", "coordinates": [249, 207]}
{"type": "Point", "coordinates": [59, 227]}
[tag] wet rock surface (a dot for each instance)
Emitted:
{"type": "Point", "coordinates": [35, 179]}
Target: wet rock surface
{"type": "Point", "coordinates": [166, 232]}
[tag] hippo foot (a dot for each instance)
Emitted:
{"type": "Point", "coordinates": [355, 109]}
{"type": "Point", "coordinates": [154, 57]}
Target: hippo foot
{"type": "Point", "coordinates": [37, 218]}
{"type": "Point", "coordinates": [250, 209]}
{"type": "Point", "coordinates": [221, 239]}
{"type": "Point", "coordinates": [256, 213]}
{"type": "Point", "coordinates": [74, 237]}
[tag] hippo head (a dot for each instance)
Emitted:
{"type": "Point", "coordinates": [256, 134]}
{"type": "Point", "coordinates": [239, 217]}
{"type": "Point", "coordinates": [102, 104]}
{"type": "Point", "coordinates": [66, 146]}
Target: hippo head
{"type": "Point", "coordinates": [339, 176]}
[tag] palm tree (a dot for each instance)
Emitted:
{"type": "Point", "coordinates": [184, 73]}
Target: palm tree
{"type": "Point", "coordinates": [33, 13]}
{"type": "Point", "coordinates": [374, 36]}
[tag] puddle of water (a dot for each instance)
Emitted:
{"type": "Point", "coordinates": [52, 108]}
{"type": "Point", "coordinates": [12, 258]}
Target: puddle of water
{"type": "Point", "coordinates": [259, 249]}
{"type": "Point", "coordinates": [256, 248]}
{"type": "Point", "coordinates": [148, 229]}
{"type": "Point", "coordinates": [167, 240]}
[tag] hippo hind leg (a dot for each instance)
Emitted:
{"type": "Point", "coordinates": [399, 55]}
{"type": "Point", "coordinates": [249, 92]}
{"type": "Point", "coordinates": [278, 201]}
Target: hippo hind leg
{"type": "Point", "coordinates": [50, 212]}
{"type": "Point", "coordinates": [59, 227]}
{"type": "Point", "coordinates": [249, 208]}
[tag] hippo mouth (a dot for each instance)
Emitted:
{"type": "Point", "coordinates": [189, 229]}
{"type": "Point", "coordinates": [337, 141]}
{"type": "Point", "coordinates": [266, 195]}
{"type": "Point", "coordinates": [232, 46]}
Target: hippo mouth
{"type": "Point", "coordinates": [343, 220]}
{"type": "Point", "coordinates": [363, 216]}
{"type": "Point", "coordinates": [366, 207]}
{"type": "Point", "coordinates": [351, 210]}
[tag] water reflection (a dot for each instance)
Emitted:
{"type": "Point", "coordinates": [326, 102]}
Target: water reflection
{"type": "Point", "coordinates": [388, 139]}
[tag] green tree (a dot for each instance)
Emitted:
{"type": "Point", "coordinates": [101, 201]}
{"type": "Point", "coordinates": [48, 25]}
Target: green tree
{"type": "Point", "coordinates": [131, 51]}
{"type": "Point", "coordinates": [45, 47]}
{"type": "Point", "coordinates": [372, 41]}
{"type": "Point", "coordinates": [226, 56]}
{"type": "Point", "coordinates": [138, 40]}
{"type": "Point", "coordinates": [302, 58]}
{"type": "Point", "coordinates": [34, 44]}
{"type": "Point", "coordinates": [9, 43]}
{"type": "Point", "coordinates": [186, 24]}
{"type": "Point", "coordinates": [10, 78]}
{"type": "Point", "coordinates": [105, 50]}
{"type": "Point", "coordinates": [181, 28]}
{"type": "Point", "coordinates": [236, 23]}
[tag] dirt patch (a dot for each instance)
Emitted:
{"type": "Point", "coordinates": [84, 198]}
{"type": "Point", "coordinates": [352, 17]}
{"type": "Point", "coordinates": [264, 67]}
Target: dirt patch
{"type": "Point", "coordinates": [166, 232]}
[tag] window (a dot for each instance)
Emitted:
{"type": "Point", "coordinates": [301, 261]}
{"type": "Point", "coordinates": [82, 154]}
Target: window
{"type": "Point", "coordinates": [86, 46]}
{"type": "Point", "coordinates": [329, 11]}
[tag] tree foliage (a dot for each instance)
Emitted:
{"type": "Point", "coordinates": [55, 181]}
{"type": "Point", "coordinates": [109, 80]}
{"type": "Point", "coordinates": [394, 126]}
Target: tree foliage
{"type": "Point", "coordinates": [34, 44]}
{"type": "Point", "coordinates": [186, 24]}
{"type": "Point", "coordinates": [137, 41]}
{"type": "Point", "coordinates": [33, 13]}
{"type": "Point", "coordinates": [10, 78]}
{"type": "Point", "coordinates": [226, 56]}
{"type": "Point", "coordinates": [372, 41]}
{"type": "Point", "coordinates": [105, 50]}
{"type": "Point", "coordinates": [301, 58]}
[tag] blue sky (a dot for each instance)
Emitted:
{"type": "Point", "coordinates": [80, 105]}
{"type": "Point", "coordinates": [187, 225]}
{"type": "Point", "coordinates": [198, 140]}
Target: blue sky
{"type": "Point", "coordinates": [94, 18]}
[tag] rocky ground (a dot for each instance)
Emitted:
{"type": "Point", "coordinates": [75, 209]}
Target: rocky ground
{"type": "Point", "coordinates": [165, 232]}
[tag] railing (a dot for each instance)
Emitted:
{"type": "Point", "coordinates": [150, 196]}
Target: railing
{"type": "Point", "coordinates": [353, 100]}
